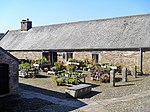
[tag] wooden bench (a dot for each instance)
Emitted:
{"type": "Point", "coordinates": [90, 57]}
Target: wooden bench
{"type": "Point", "coordinates": [78, 90]}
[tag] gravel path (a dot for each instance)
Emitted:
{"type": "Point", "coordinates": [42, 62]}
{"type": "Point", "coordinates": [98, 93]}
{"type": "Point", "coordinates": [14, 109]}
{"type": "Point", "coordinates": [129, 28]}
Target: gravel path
{"type": "Point", "coordinates": [131, 96]}
{"type": "Point", "coordinates": [139, 102]}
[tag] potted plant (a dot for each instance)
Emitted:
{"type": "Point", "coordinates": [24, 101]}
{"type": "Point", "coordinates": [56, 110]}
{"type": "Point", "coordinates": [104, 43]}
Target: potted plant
{"type": "Point", "coordinates": [24, 68]}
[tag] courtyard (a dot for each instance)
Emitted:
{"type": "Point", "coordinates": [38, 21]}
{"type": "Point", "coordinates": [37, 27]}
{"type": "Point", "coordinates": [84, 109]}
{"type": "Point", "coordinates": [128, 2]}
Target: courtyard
{"type": "Point", "coordinates": [41, 94]}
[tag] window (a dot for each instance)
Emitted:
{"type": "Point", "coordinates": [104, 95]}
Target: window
{"type": "Point", "coordinates": [45, 54]}
{"type": "Point", "coordinates": [69, 55]}
{"type": "Point", "coordinates": [64, 56]}
{"type": "Point", "coordinates": [95, 57]}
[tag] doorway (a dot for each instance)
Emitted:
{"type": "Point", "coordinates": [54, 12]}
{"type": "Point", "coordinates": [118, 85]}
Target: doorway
{"type": "Point", "coordinates": [4, 78]}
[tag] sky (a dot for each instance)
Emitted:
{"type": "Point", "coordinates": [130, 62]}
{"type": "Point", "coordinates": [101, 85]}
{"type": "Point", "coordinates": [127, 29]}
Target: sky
{"type": "Point", "coordinates": [46, 12]}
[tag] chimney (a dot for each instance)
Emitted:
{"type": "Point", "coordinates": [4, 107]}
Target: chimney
{"type": "Point", "coordinates": [26, 25]}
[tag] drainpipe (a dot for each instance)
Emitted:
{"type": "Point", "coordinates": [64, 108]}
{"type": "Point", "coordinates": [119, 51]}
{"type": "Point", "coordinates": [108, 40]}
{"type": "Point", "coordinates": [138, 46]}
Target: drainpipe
{"type": "Point", "coordinates": [141, 61]}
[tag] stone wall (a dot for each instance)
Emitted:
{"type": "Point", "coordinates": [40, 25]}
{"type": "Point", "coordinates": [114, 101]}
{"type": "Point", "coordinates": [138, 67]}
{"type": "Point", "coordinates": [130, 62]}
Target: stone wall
{"type": "Point", "coordinates": [76, 55]}
{"type": "Point", "coordinates": [82, 55]}
{"type": "Point", "coordinates": [146, 62]}
{"type": "Point", "coordinates": [5, 58]}
{"type": "Point", "coordinates": [126, 58]}
{"type": "Point", "coordinates": [27, 55]}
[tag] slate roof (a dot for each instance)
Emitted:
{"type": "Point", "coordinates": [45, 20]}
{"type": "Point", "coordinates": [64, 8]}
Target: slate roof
{"type": "Point", "coordinates": [114, 33]}
{"type": "Point", "coordinates": [10, 55]}
{"type": "Point", "coordinates": [1, 35]}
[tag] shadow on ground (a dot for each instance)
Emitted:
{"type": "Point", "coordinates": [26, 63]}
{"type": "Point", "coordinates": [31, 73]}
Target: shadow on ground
{"type": "Point", "coordinates": [43, 91]}
{"type": "Point", "coordinates": [41, 76]}
{"type": "Point", "coordinates": [135, 80]}
{"type": "Point", "coordinates": [93, 85]}
{"type": "Point", "coordinates": [91, 94]}
{"type": "Point", "coordinates": [124, 85]}
{"type": "Point", "coordinates": [15, 103]}
{"type": "Point", "coordinates": [56, 107]}
{"type": "Point", "coordinates": [118, 79]}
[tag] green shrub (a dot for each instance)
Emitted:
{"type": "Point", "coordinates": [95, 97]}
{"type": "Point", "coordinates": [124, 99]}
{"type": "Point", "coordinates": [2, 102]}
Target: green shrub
{"type": "Point", "coordinates": [71, 60]}
{"type": "Point", "coordinates": [59, 66]}
{"type": "Point", "coordinates": [41, 60]}
{"type": "Point", "coordinates": [137, 68]}
{"type": "Point", "coordinates": [60, 80]}
{"type": "Point", "coordinates": [73, 80]}
{"type": "Point", "coordinates": [89, 61]}
{"type": "Point", "coordinates": [81, 63]}
{"type": "Point", "coordinates": [70, 68]}
{"type": "Point", "coordinates": [121, 66]}
{"type": "Point", "coordinates": [107, 69]}
{"type": "Point", "coordinates": [66, 80]}
{"type": "Point", "coordinates": [25, 66]}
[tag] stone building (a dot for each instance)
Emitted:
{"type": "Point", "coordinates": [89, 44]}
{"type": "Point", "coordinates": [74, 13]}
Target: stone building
{"type": "Point", "coordinates": [8, 73]}
{"type": "Point", "coordinates": [121, 40]}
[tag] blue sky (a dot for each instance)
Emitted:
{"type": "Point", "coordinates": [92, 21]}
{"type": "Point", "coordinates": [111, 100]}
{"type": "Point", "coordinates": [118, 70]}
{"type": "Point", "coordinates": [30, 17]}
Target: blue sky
{"type": "Point", "coordinates": [46, 12]}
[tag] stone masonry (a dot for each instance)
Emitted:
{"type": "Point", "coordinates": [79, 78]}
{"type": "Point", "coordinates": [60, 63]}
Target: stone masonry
{"type": "Point", "coordinates": [27, 55]}
{"type": "Point", "coordinates": [125, 58]}
{"type": "Point", "coordinates": [6, 58]}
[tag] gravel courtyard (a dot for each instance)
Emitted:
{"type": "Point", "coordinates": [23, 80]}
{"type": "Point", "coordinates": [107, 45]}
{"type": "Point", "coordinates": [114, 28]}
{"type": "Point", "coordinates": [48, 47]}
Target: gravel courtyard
{"type": "Point", "coordinates": [41, 94]}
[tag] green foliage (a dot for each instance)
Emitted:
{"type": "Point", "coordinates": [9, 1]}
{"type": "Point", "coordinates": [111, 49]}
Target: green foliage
{"type": "Point", "coordinates": [70, 79]}
{"type": "Point", "coordinates": [71, 60]}
{"type": "Point", "coordinates": [41, 60]}
{"type": "Point", "coordinates": [120, 66]}
{"type": "Point", "coordinates": [107, 64]}
{"type": "Point", "coordinates": [70, 68]}
{"type": "Point", "coordinates": [89, 61]}
{"type": "Point", "coordinates": [137, 68]}
{"type": "Point", "coordinates": [81, 63]}
{"type": "Point", "coordinates": [66, 80]}
{"type": "Point", "coordinates": [107, 69]}
{"type": "Point", "coordinates": [66, 73]}
{"type": "Point", "coordinates": [60, 80]}
{"type": "Point", "coordinates": [90, 66]}
{"type": "Point", "coordinates": [73, 80]}
{"type": "Point", "coordinates": [25, 66]}
{"type": "Point", "coordinates": [58, 66]}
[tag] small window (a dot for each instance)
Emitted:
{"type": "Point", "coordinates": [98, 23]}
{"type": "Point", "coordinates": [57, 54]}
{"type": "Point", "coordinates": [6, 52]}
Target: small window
{"type": "Point", "coordinates": [45, 54]}
{"type": "Point", "coordinates": [64, 56]}
{"type": "Point", "coordinates": [69, 55]}
{"type": "Point", "coordinates": [95, 57]}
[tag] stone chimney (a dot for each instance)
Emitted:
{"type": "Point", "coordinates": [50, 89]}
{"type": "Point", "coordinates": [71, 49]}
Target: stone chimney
{"type": "Point", "coordinates": [26, 25]}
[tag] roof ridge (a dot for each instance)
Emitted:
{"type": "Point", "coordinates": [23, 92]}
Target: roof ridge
{"type": "Point", "coordinates": [4, 34]}
{"type": "Point", "coordinates": [84, 21]}
{"type": "Point", "coordinates": [9, 54]}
